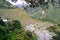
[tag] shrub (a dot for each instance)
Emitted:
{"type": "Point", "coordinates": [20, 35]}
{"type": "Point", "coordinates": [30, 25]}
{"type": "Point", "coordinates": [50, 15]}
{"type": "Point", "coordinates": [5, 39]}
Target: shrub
{"type": "Point", "coordinates": [4, 4]}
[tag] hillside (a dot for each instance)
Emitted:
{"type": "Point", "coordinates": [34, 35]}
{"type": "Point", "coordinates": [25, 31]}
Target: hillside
{"type": "Point", "coordinates": [28, 24]}
{"type": "Point", "coordinates": [21, 15]}
{"type": "Point", "coordinates": [36, 26]}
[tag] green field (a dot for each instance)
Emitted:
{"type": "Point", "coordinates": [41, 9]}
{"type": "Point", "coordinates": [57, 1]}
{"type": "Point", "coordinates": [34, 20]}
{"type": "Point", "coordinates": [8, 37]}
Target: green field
{"type": "Point", "coordinates": [52, 15]}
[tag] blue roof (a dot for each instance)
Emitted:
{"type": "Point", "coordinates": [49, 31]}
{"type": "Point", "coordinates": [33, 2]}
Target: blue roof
{"type": "Point", "coordinates": [19, 5]}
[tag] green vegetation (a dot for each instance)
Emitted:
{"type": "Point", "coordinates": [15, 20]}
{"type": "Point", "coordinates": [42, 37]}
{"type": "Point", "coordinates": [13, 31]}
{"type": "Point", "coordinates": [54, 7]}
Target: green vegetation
{"type": "Point", "coordinates": [57, 37]}
{"type": "Point", "coordinates": [52, 11]}
{"type": "Point", "coordinates": [56, 30]}
{"type": "Point", "coordinates": [4, 4]}
{"type": "Point", "coordinates": [52, 15]}
{"type": "Point", "coordinates": [14, 31]}
{"type": "Point", "coordinates": [27, 35]}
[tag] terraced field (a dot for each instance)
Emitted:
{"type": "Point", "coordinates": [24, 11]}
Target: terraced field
{"type": "Point", "coordinates": [21, 15]}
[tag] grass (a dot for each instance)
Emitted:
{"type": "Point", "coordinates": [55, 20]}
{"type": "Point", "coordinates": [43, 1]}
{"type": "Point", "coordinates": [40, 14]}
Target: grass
{"type": "Point", "coordinates": [21, 15]}
{"type": "Point", "coordinates": [56, 30]}
{"type": "Point", "coordinates": [14, 14]}
{"type": "Point", "coordinates": [52, 15]}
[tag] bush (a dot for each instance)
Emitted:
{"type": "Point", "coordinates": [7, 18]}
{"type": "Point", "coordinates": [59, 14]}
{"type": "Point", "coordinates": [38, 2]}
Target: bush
{"type": "Point", "coordinates": [13, 31]}
{"type": "Point", "coordinates": [56, 30]}
{"type": "Point", "coordinates": [4, 4]}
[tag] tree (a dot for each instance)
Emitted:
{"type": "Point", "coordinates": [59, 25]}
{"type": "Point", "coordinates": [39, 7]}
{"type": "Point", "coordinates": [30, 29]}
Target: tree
{"type": "Point", "coordinates": [4, 4]}
{"type": "Point", "coordinates": [56, 30]}
{"type": "Point", "coordinates": [57, 37]}
{"type": "Point", "coordinates": [14, 31]}
{"type": "Point", "coordinates": [27, 35]}
{"type": "Point", "coordinates": [42, 3]}
{"type": "Point", "coordinates": [30, 36]}
{"type": "Point", "coordinates": [8, 31]}
{"type": "Point", "coordinates": [5, 34]}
